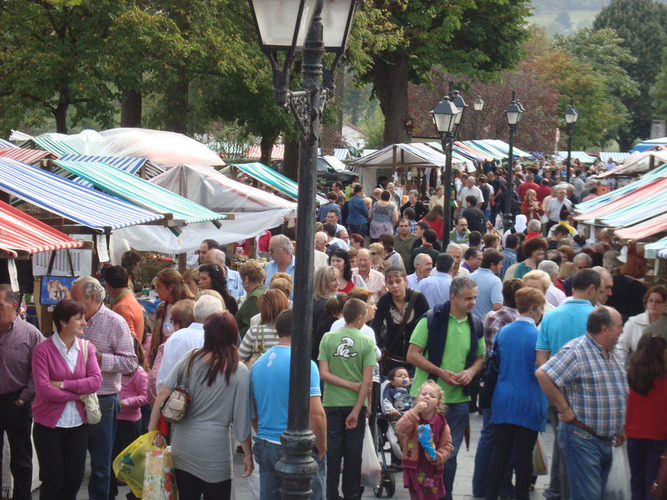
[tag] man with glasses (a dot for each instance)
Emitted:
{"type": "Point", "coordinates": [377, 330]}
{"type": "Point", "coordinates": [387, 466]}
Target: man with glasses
{"type": "Point", "coordinates": [282, 260]}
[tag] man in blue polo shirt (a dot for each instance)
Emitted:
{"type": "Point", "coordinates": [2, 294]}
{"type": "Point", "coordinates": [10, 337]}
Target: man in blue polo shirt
{"type": "Point", "coordinates": [269, 378]}
{"type": "Point", "coordinates": [489, 286]}
{"type": "Point", "coordinates": [558, 327]}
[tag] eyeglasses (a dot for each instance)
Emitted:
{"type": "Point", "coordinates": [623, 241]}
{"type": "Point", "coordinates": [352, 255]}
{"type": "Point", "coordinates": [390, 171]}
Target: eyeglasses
{"type": "Point", "coordinates": [374, 253]}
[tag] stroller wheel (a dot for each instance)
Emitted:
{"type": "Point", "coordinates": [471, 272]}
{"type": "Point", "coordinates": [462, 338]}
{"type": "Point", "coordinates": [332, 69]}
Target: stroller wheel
{"type": "Point", "coordinates": [389, 483]}
{"type": "Point", "coordinates": [378, 490]}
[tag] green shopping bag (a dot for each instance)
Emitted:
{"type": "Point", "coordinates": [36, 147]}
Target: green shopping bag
{"type": "Point", "coordinates": [129, 465]}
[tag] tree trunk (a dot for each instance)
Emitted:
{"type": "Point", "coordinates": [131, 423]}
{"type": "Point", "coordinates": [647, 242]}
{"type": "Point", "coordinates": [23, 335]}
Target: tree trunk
{"type": "Point", "coordinates": [390, 77]}
{"type": "Point", "coordinates": [267, 148]}
{"type": "Point", "coordinates": [177, 102]}
{"type": "Point", "coordinates": [624, 142]}
{"type": "Point", "coordinates": [130, 111]}
{"type": "Point", "coordinates": [60, 114]}
{"type": "Point", "coordinates": [291, 160]}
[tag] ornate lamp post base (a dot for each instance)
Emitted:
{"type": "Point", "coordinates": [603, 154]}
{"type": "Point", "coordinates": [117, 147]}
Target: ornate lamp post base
{"type": "Point", "coordinates": [297, 468]}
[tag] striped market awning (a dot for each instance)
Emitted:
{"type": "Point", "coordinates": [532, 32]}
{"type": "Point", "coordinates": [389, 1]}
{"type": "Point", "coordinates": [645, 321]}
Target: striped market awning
{"type": "Point", "coordinates": [617, 157]}
{"type": "Point", "coordinates": [26, 155]}
{"type": "Point", "coordinates": [7, 144]}
{"type": "Point", "coordinates": [54, 146]}
{"type": "Point", "coordinates": [276, 180]}
{"type": "Point", "coordinates": [582, 156]}
{"type": "Point", "coordinates": [22, 235]}
{"type": "Point", "coordinates": [277, 153]}
{"type": "Point", "coordinates": [141, 167]}
{"type": "Point", "coordinates": [62, 197]}
{"type": "Point", "coordinates": [140, 192]}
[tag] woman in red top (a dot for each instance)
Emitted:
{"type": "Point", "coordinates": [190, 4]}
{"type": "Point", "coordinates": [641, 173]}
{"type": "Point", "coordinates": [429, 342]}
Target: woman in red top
{"type": "Point", "coordinates": [647, 413]}
{"type": "Point", "coordinates": [434, 220]}
{"type": "Point", "coordinates": [530, 207]}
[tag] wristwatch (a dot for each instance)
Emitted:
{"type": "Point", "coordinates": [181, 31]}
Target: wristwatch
{"type": "Point", "coordinates": [62, 384]}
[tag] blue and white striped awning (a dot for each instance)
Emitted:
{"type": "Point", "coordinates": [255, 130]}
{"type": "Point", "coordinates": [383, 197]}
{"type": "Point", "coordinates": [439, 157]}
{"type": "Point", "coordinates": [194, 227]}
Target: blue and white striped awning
{"type": "Point", "coordinates": [505, 148]}
{"type": "Point", "coordinates": [575, 155]}
{"type": "Point", "coordinates": [129, 165]}
{"type": "Point", "coordinates": [656, 249]}
{"type": "Point", "coordinates": [617, 157]}
{"type": "Point", "coordinates": [7, 144]}
{"type": "Point", "coordinates": [62, 197]}
{"type": "Point", "coordinates": [342, 154]}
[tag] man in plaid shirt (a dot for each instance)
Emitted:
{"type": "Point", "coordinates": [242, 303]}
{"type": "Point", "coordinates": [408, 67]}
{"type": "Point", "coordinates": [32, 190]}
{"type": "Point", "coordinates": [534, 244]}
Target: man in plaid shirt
{"type": "Point", "coordinates": [587, 383]}
{"type": "Point", "coordinates": [114, 348]}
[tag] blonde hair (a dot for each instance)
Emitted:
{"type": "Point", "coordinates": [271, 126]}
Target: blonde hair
{"type": "Point", "coordinates": [442, 407]}
{"type": "Point", "coordinates": [212, 293]}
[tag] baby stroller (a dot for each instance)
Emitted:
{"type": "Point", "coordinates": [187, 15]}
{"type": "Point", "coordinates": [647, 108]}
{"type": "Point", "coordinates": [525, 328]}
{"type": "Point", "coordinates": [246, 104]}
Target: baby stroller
{"type": "Point", "coordinates": [385, 441]}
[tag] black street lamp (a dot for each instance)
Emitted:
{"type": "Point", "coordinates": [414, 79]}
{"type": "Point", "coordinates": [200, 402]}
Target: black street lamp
{"type": "Point", "coordinates": [293, 26]}
{"type": "Point", "coordinates": [445, 117]}
{"type": "Point", "coordinates": [571, 116]}
{"type": "Point", "coordinates": [478, 106]}
{"type": "Point", "coordinates": [514, 113]}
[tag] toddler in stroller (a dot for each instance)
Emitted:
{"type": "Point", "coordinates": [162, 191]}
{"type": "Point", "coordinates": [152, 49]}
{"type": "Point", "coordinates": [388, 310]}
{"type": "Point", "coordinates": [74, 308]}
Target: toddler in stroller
{"type": "Point", "coordinates": [396, 400]}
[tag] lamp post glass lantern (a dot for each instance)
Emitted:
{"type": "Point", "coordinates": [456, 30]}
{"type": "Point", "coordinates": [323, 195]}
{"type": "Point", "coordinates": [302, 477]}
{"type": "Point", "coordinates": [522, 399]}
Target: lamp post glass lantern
{"type": "Point", "coordinates": [571, 116]}
{"type": "Point", "coordinates": [444, 117]}
{"type": "Point", "coordinates": [478, 106]}
{"type": "Point", "coordinates": [293, 26]}
{"type": "Point", "coordinates": [514, 113]}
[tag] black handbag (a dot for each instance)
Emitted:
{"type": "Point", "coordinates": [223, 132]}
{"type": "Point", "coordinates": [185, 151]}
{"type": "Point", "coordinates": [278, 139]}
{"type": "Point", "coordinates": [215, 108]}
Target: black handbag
{"type": "Point", "coordinates": [491, 371]}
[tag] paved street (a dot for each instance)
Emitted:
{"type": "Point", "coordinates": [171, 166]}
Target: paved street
{"type": "Point", "coordinates": [462, 484]}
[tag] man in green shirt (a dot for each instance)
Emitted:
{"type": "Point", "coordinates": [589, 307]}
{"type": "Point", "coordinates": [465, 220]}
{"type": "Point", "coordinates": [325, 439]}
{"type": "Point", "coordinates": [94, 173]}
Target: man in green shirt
{"type": "Point", "coordinates": [347, 357]}
{"type": "Point", "coordinates": [455, 354]}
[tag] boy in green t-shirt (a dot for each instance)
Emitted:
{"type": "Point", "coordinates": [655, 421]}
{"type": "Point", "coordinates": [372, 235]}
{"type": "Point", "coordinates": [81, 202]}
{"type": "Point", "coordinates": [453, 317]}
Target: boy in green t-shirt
{"type": "Point", "coordinates": [347, 357]}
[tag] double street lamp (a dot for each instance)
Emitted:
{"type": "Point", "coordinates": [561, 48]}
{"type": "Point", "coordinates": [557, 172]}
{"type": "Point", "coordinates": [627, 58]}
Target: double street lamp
{"type": "Point", "coordinates": [447, 117]}
{"type": "Point", "coordinates": [571, 116]}
{"type": "Point", "coordinates": [311, 27]}
{"type": "Point", "coordinates": [514, 113]}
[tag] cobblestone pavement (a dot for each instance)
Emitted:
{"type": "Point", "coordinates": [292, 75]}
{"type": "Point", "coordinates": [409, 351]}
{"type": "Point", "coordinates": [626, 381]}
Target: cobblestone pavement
{"type": "Point", "coordinates": [462, 483]}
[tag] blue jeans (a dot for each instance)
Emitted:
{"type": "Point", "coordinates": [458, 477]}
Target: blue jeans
{"type": "Point", "coordinates": [559, 486]}
{"type": "Point", "coordinates": [644, 458]}
{"type": "Point", "coordinates": [344, 444]}
{"type": "Point", "coordinates": [457, 418]}
{"type": "Point", "coordinates": [267, 455]}
{"type": "Point", "coordinates": [360, 229]}
{"type": "Point", "coordinates": [485, 445]}
{"type": "Point", "coordinates": [588, 461]}
{"type": "Point", "coordinates": [100, 446]}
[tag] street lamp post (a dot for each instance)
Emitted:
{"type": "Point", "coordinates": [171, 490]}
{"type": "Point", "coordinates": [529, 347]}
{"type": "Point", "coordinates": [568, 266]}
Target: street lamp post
{"type": "Point", "coordinates": [293, 26]}
{"type": "Point", "coordinates": [444, 117]}
{"type": "Point", "coordinates": [477, 105]}
{"type": "Point", "coordinates": [571, 116]}
{"type": "Point", "coordinates": [514, 113]}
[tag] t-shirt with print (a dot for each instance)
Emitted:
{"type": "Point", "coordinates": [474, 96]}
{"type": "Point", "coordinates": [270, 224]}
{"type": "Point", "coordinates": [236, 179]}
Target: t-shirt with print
{"type": "Point", "coordinates": [453, 358]}
{"type": "Point", "coordinates": [347, 351]}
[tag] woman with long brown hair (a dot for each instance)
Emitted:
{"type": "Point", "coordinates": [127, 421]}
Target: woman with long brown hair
{"type": "Point", "coordinates": [219, 391]}
{"type": "Point", "coordinates": [170, 288]}
{"type": "Point", "coordinates": [647, 413]}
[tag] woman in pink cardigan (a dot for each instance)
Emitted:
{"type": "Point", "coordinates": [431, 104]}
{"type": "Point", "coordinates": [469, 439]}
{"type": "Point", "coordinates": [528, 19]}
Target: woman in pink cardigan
{"type": "Point", "coordinates": [61, 377]}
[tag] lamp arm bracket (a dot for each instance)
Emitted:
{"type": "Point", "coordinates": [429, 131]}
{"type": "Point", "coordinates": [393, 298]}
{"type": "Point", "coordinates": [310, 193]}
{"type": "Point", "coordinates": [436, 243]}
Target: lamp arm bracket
{"type": "Point", "coordinates": [281, 75]}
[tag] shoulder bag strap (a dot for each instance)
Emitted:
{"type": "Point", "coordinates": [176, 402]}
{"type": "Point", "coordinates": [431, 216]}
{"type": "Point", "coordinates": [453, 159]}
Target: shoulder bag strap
{"type": "Point", "coordinates": [404, 321]}
{"type": "Point", "coordinates": [84, 347]}
{"type": "Point", "coordinates": [53, 259]}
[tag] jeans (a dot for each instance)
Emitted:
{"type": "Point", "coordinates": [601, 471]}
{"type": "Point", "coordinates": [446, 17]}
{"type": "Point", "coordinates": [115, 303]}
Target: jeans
{"type": "Point", "coordinates": [16, 422]}
{"type": "Point", "coordinates": [344, 444]}
{"type": "Point", "coordinates": [100, 446]}
{"type": "Point", "coordinates": [360, 229]}
{"type": "Point", "coordinates": [267, 455]}
{"type": "Point", "coordinates": [510, 437]}
{"type": "Point", "coordinates": [457, 418]}
{"type": "Point", "coordinates": [61, 453]}
{"type": "Point", "coordinates": [644, 458]}
{"type": "Point", "coordinates": [588, 461]}
{"type": "Point", "coordinates": [126, 433]}
{"type": "Point", "coordinates": [485, 447]}
{"type": "Point", "coordinates": [190, 487]}
{"type": "Point", "coordinates": [559, 485]}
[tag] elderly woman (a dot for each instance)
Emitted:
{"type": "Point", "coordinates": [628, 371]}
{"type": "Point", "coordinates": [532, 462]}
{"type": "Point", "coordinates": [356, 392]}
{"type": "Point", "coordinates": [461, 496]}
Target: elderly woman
{"type": "Point", "coordinates": [530, 207]}
{"type": "Point", "coordinates": [252, 278]}
{"type": "Point", "coordinates": [219, 391]}
{"type": "Point", "coordinates": [262, 337]}
{"type": "Point", "coordinates": [377, 257]}
{"type": "Point", "coordinates": [414, 203]}
{"type": "Point", "coordinates": [170, 288]}
{"type": "Point", "coordinates": [654, 303]}
{"type": "Point", "coordinates": [518, 407]}
{"type": "Point", "coordinates": [539, 280]}
{"type": "Point", "coordinates": [64, 368]}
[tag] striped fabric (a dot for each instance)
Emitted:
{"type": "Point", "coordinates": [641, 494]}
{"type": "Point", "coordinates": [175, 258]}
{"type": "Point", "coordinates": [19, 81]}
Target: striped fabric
{"type": "Point", "coordinates": [25, 155]}
{"type": "Point", "coordinates": [505, 148]}
{"type": "Point", "coordinates": [342, 154]}
{"type": "Point", "coordinates": [485, 151]}
{"type": "Point", "coordinates": [575, 155]}
{"type": "Point", "coordinates": [7, 144]}
{"type": "Point", "coordinates": [414, 154]}
{"type": "Point", "coordinates": [140, 192]}
{"type": "Point", "coordinates": [62, 197]}
{"type": "Point", "coordinates": [59, 147]}
{"type": "Point", "coordinates": [270, 177]}
{"type": "Point", "coordinates": [617, 157]}
{"type": "Point", "coordinates": [277, 153]}
{"type": "Point", "coordinates": [21, 233]}
{"type": "Point", "coordinates": [130, 165]}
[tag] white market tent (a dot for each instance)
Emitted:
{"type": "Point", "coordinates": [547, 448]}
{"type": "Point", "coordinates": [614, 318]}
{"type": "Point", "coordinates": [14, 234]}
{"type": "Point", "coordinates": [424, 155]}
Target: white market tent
{"type": "Point", "coordinates": [254, 211]}
{"type": "Point", "coordinates": [403, 155]}
{"type": "Point", "coordinates": [638, 163]}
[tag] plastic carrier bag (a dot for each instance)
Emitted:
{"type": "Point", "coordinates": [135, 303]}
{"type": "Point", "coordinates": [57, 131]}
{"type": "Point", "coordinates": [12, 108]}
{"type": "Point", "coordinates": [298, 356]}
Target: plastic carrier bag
{"type": "Point", "coordinates": [130, 464]}
{"type": "Point", "coordinates": [618, 482]}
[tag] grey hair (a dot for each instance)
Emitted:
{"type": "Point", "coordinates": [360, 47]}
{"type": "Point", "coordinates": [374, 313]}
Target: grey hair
{"type": "Point", "coordinates": [10, 295]}
{"type": "Point", "coordinates": [599, 318]}
{"type": "Point", "coordinates": [534, 225]}
{"type": "Point", "coordinates": [549, 267]}
{"type": "Point", "coordinates": [583, 256]}
{"type": "Point", "coordinates": [453, 245]}
{"type": "Point", "coordinates": [413, 192]}
{"type": "Point", "coordinates": [458, 284]}
{"type": "Point", "coordinates": [91, 286]}
{"type": "Point", "coordinates": [610, 260]}
{"type": "Point", "coordinates": [205, 306]}
{"type": "Point", "coordinates": [284, 243]}
{"type": "Point", "coordinates": [219, 256]}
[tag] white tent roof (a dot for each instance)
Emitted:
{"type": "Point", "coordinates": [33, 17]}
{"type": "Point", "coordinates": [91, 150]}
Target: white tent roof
{"type": "Point", "coordinates": [254, 211]}
{"type": "Point", "coordinates": [408, 155]}
{"type": "Point", "coordinates": [638, 163]}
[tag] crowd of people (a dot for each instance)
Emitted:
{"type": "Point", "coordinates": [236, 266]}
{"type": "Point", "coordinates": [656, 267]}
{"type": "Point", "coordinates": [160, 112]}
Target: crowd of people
{"type": "Point", "coordinates": [534, 325]}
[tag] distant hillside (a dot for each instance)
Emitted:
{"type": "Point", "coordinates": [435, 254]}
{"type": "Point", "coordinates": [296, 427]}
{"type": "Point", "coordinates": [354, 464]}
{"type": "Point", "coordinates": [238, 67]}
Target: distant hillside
{"type": "Point", "coordinates": [565, 16]}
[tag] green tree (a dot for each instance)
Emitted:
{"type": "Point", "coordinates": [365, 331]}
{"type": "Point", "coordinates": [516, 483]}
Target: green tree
{"type": "Point", "coordinates": [642, 24]}
{"type": "Point", "coordinates": [477, 38]}
{"type": "Point", "coordinates": [659, 89]}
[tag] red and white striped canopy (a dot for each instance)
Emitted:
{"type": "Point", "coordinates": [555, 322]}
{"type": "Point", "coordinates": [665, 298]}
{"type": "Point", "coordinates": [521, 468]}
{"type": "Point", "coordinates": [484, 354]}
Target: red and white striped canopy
{"type": "Point", "coordinates": [28, 156]}
{"type": "Point", "coordinates": [21, 234]}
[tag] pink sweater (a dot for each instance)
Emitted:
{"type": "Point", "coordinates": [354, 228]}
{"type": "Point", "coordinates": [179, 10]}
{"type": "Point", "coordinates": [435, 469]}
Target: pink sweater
{"type": "Point", "coordinates": [133, 394]}
{"type": "Point", "coordinates": [48, 364]}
